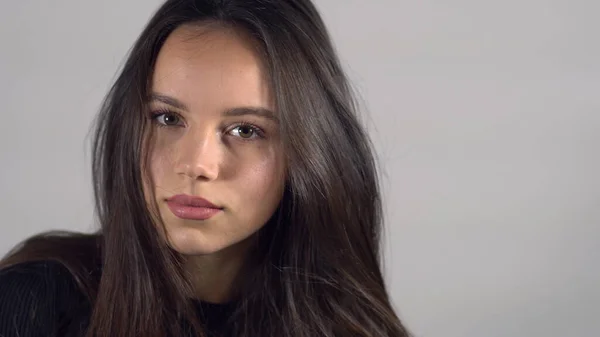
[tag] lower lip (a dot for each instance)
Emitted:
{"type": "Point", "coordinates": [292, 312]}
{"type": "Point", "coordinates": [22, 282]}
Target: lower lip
{"type": "Point", "coordinates": [191, 212]}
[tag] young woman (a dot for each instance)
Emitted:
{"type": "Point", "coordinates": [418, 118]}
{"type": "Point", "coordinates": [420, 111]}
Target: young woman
{"type": "Point", "coordinates": [236, 192]}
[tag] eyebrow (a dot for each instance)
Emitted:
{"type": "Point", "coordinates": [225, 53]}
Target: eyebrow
{"type": "Point", "coordinates": [238, 111]}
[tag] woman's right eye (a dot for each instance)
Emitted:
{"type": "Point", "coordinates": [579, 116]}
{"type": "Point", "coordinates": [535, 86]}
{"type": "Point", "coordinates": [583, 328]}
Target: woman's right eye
{"type": "Point", "coordinates": [167, 119]}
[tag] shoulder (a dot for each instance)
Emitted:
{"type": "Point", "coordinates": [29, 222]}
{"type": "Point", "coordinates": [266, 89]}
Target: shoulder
{"type": "Point", "coordinates": [32, 297]}
{"type": "Point", "coordinates": [34, 276]}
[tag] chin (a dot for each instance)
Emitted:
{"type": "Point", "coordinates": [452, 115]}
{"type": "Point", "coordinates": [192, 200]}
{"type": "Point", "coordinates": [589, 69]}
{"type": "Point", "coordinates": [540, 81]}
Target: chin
{"type": "Point", "coordinates": [194, 244]}
{"type": "Point", "coordinates": [192, 241]}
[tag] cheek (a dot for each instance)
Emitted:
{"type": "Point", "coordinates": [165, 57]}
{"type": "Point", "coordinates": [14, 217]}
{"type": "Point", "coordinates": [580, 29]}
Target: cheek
{"type": "Point", "coordinates": [161, 163]}
{"type": "Point", "coordinates": [260, 184]}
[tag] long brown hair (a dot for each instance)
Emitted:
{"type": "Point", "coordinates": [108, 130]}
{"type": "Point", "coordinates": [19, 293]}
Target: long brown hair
{"type": "Point", "coordinates": [318, 260]}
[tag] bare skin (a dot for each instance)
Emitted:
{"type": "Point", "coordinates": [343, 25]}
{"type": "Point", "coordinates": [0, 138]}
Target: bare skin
{"type": "Point", "coordinates": [203, 146]}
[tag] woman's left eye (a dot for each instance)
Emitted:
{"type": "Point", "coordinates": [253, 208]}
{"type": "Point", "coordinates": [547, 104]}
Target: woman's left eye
{"type": "Point", "coordinates": [246, 131]}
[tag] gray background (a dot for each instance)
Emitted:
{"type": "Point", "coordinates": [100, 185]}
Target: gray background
{"type": "Point", "coordinates": [486, 119]}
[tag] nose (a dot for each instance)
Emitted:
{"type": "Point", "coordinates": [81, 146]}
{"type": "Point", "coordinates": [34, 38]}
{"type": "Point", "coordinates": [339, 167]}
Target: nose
{"type": "Point", "coordinates": [199, 156]}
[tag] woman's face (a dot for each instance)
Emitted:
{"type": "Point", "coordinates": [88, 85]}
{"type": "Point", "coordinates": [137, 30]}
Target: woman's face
{"type": "Point", "coordinates": [215, 137]}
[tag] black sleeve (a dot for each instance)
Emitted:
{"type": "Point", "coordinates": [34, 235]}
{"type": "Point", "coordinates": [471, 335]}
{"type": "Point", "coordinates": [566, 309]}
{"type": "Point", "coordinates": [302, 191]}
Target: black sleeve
{"type": "Point", "coordinates": [28, 300]}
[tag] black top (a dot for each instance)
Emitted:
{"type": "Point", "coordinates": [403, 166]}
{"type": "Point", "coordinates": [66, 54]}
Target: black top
{"type": "Point", "coordinates": [41, 299]}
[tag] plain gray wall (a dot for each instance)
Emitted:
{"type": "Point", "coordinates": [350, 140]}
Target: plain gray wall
{"type": "Point", "coordinates": [486, 119]}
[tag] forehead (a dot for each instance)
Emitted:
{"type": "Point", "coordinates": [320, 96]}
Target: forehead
{"type": "Point", "coordinates": [209, 61]}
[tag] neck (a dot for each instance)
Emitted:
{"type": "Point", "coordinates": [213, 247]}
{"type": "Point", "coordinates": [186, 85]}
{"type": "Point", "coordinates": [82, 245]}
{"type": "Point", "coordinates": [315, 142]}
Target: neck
{"type": "Point", "coordinates": [216, 277]}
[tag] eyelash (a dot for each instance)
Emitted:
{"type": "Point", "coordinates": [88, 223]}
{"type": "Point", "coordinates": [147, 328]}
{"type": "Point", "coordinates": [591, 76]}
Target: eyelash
{"type": "Point", "coordinates": [256, 129]}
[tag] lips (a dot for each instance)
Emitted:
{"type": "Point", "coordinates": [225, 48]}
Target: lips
{"type": "Point", "coordinates": [193, 208]}
{"type": "Point", "coordinates": [188, 200]}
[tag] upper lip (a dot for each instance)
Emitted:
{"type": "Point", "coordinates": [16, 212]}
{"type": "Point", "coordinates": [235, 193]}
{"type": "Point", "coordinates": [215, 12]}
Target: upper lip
{"type": "Point", "coordinates": [189, 200]}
